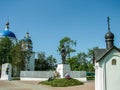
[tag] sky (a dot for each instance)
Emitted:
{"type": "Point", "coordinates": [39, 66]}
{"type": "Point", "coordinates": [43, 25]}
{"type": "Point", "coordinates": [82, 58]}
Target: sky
{"type": "Point", "coordinates": [48, 21]}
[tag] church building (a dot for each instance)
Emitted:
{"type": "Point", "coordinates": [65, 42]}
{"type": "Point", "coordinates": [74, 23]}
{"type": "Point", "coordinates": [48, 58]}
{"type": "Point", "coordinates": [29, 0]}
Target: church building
{"type": "Point", "coordinates": [27, 45]}
{"type": "Point", "coordinates": [107, 64]}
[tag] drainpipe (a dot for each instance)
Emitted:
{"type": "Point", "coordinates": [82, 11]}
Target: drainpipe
{"type": "Point", "coordinates": [104, 77]}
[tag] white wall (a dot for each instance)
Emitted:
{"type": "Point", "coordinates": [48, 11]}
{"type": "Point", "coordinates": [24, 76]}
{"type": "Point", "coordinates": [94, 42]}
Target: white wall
{"type": "Point", "coordinates": [4, 74]}
{"type": "Point", "coordinates": [44, 75]}
{"type": "Point", "coordinates": [113, 71]}
{"type": "Point", "coordinates": [110, 74]}
{"type": "Point", "coordinates": [79, 75]}
{"type": "Point", "coordinates": [31, 65]}
{"type": "Point", "coordinates": [98, 77]}
{"type": "Point", "coordinates": [36, 75]}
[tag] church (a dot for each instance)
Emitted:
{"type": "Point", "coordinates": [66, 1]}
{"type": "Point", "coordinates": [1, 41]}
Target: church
{"type": "Point", "coordinates": [27, 45]}
{"type": "Point", "coordinates": [107, 64]}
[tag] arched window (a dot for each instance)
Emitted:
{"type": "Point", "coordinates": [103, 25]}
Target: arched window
{"type": "Point", "coordinates": [114, 62]}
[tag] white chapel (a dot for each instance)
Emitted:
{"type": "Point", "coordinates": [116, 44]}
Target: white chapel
{"type": "Point", "coordinates": [107, 64]}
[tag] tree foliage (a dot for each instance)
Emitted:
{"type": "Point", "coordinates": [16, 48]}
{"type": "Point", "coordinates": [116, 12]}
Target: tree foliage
{"type": "Point", "coordinates": [5, 48]}
{"type": "Point", "coordinates": [82, 61]}
{"type": "Point", "coordinates": [44, 63]}
{"type": "Point", "coordinates": [68, 43]}
{"type": "Point", "coordinates": [18, 56]}
{"type": "Point", "coordinates": [91, 53]}
{"type": "Point", "coordinates": [11, 52]}
{"type": "Point", "coordinates": [78, 62]}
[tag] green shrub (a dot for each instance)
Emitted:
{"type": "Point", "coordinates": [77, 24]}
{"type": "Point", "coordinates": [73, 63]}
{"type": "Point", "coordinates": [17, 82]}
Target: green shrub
{"type": "Point", "coordinates": [62, 82]}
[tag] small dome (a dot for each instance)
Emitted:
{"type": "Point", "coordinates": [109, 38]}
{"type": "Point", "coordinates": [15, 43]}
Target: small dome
{"type": "Point", "coordinates": [7, 33]}
{"type": "Point", "coordinates": [109, 35]}
{"type": "Point", "coordinates": [27, 38]}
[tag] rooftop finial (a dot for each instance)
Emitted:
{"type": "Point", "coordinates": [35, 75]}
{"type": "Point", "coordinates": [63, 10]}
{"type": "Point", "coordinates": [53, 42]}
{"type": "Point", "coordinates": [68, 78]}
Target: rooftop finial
{"type": "Point", "coordinates": [27, 35]}
{"type": "Point", "coordinates": [7, 26]}
{"type": "Point", "coordinates": [108, 20]}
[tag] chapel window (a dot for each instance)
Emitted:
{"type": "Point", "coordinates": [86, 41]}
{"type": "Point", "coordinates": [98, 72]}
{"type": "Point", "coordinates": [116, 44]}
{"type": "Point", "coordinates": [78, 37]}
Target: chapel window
{"type": "Point", "coordinates": [114, 62]}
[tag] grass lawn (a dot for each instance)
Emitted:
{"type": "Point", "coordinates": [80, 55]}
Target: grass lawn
{"type": "Point", "coordinates": [62, 82]}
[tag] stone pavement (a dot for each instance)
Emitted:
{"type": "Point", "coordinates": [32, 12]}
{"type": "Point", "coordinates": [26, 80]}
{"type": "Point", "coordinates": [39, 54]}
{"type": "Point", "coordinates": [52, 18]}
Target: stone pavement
{"type": "Point", "coordinates": [33, 85]}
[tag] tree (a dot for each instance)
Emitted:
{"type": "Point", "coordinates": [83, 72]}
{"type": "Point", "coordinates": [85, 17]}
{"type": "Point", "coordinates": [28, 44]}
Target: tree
{"type": "Point", "coordinates": [18, 56]}
{"type": "Point", "coordinates": [68, 43]}
{"type": "Point", "coordinates": [44, 63]}
{"type": "Point", "coordinates": [51, 62]}
{"type": "Point", "coordinates": [73, 62]}
{"type": "Point", "coordinates": [40, 63]}
{"type": "Point", "coordinates": [5, 48]}
{"type": "Point", "coordinates": [78, 62]}
{"type": "Point", "coordinates": [82, 58]}
{"type": "Point", "coordinates": [91, 59]}
{"type": "Point", "coordinates": [11, 52]}
{"type": "Point", "coordinates": [90, 53]}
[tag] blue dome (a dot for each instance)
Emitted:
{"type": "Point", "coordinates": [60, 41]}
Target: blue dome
{"type": "Point", "coordinates": [7, 33]}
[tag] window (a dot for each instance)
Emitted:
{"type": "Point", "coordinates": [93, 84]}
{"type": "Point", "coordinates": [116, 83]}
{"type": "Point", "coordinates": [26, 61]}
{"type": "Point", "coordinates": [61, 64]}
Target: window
{"type": "Point", "coordinates": [114, 62]}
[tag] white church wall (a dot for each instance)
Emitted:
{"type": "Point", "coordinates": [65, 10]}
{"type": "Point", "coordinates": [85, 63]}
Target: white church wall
{"type": "Point", "coordinates": [31, 65]}
{"type": "Point", "coordinates": [113, 71]}
{"type": "Point", "coordinates": [98, 77]}
{"type": "Point", "coordinates": [110, 75]}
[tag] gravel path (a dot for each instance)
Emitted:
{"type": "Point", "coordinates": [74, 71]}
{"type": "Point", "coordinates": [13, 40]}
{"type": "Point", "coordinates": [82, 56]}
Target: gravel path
{"type": "Point", "coordinates": [33, 85]}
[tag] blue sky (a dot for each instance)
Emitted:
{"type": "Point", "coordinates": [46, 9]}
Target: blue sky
{"type": "Point", "coordinates": [48, 21]}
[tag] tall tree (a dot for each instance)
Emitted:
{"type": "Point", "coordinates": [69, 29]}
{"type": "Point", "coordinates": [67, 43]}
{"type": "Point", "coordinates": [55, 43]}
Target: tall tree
{"type": "Point", "coordinates": [44, 63]}
{"type": "Point", "coordinates": [18, 56]}
{"type": "Point", "coordinates": [68, 43]}
{"type": "Point", "coordinates": [5, 48]}
{"type": "Point", "coordinates": [82, 58]}
{"type": "Point", "coordinates": [40, 63]}
{"type": "Point", "coordinates": [78, 62]}
{"type": "Point", "coordinates": [91, 53]}
{"type": "Point", "coordinates": [52, 62]}
{"type": "Point", "coordinates": [73, 62]}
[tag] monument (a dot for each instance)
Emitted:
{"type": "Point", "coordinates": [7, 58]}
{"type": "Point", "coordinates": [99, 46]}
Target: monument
{"type": "Point", "coordinates": [63, 68]}
{"type": "Point", "coordinates": [6, 71]}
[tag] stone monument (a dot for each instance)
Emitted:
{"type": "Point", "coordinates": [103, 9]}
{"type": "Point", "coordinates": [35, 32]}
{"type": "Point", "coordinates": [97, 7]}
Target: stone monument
{"type": "Point", "coordinates": [6, 71]}
{"type": "Point", "coordinates": [63, 68]}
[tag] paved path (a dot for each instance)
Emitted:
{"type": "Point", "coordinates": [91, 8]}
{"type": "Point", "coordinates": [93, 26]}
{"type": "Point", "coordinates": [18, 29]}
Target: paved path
{"type": "Point", "coordinates": [21, 85]}
{"type": "Point", "coordinates": [33, 85]}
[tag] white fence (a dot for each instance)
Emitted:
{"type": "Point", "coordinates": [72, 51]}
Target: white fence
{"type": "Point", "coordinates": [79, 75]}
{"type": "Point", "coordinates": [36, 75]}
{"type": "Point", "coordinates": [44, 75]}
